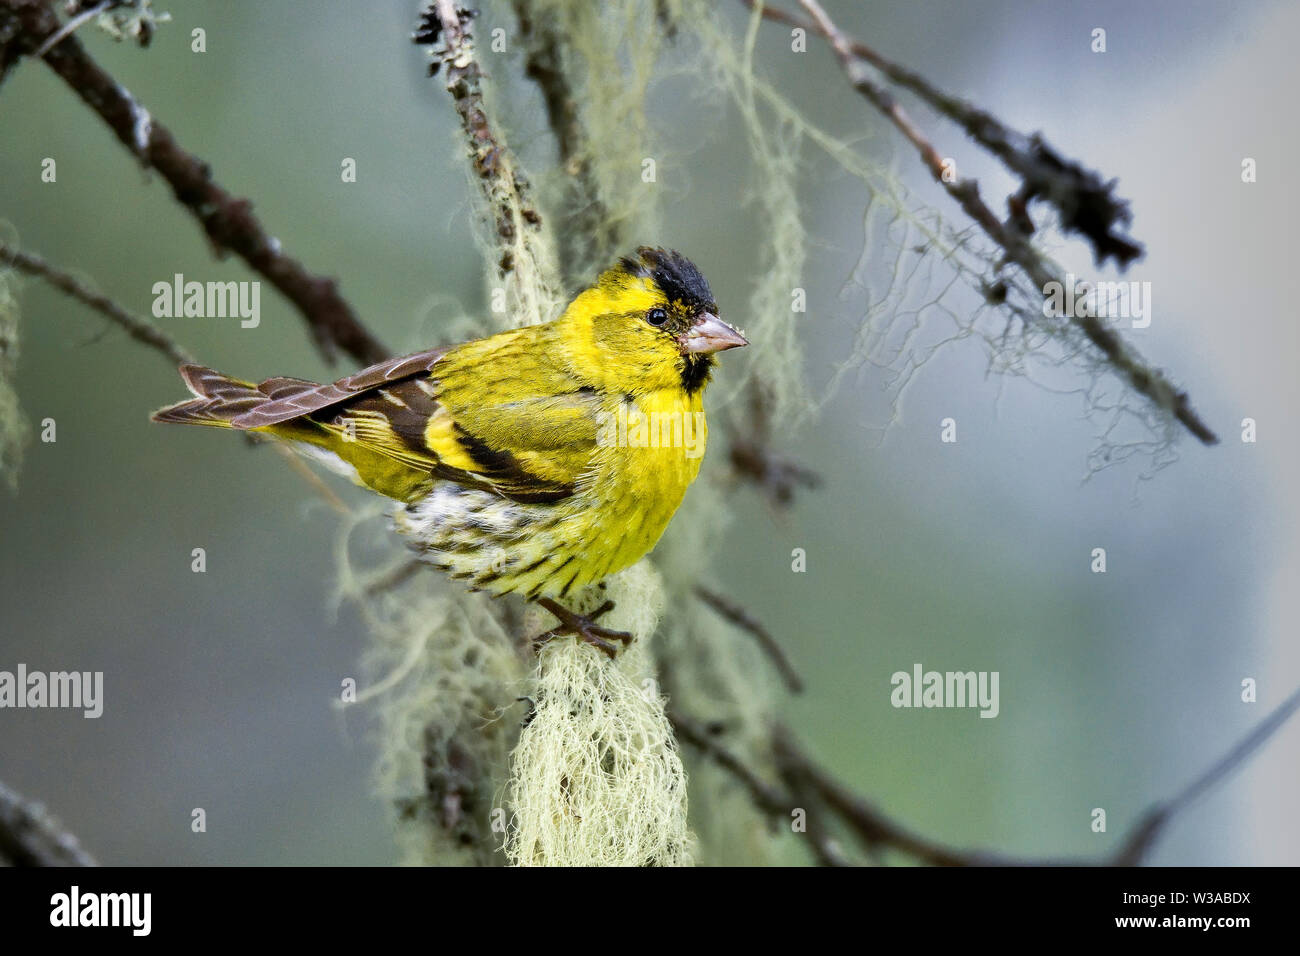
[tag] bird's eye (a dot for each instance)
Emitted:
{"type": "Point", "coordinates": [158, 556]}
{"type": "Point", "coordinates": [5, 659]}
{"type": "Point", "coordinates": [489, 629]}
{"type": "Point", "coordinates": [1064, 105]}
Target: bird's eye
{"type": "Point", "coordinates": [656, 317]}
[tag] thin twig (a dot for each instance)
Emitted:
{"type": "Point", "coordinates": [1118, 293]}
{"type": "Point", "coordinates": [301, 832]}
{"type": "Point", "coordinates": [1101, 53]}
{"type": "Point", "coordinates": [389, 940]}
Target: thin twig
{"type": "Point", "coordinates": [139, 329]}
{"type": "Point", "coordinates": [875, 830]}
{"type": "Point", "coordinates": [778, 477]}
{"type": "Point", "coordinates": [753, 458]}
{"type": "Point", "coordinates": [151, 335]}
{"type": "Point", "coordinates": [29, 836]}
{"type": "Point", "coordinates": [871, 827]}
{"type": "Point", "coordinates": [1143, 836]}
{"type": "Point", "coordinates": [390, 580]}
{"type": "Point", "coordinates": [587, 232]}
{"type": "Point", "coordinates": [228, 221]}
{"type": "Point", "coordinates": [1010, 236]}
{"type": "Point", "coordinates": [71, 27]}
{"type": "Point", "coordinates": [766, 797]}
{"type": "Point", "coordinates": [516, 222]}
{"type": "Point", "coordinates": [740, 617]}
{"type": "Point", "coordinates": [826, 849]}
{"type": "Point", "coordinates": [1143, 378]}
{"type": "Point", "coordinates": [312, 478]}
{"type": "Point", "coordinates": [1083, 199]}
{"type": "Point", "coordinates": [11, 45]}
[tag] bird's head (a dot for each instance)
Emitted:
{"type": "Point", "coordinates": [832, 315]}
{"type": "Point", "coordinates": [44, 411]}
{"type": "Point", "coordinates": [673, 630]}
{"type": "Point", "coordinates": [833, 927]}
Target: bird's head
{"type": "Point", "coordinates": [648, 322]}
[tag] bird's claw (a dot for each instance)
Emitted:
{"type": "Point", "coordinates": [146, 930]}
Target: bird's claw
{"type": "Point", "coordinates": [584, 627]}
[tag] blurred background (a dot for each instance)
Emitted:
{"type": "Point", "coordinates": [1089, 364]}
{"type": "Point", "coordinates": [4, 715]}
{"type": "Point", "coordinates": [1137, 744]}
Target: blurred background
{"type": "Point", "coordinates": [1116, 689]}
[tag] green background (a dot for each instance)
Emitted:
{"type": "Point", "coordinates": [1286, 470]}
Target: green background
{"type": "Point", "coordinates": [1115, 688]}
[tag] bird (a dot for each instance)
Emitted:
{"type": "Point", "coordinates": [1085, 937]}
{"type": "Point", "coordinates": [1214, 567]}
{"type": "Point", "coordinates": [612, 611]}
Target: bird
{"type": "Point", "coordinates": [536, 461]}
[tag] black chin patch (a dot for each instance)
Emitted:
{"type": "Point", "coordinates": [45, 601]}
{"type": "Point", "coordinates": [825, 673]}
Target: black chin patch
{"type": "Point", "coordinates": [696, 372]}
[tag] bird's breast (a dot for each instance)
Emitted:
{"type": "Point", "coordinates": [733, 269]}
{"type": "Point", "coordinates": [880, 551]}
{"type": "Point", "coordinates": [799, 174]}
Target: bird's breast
{"type": "Point", "coordinates": [649, 450]}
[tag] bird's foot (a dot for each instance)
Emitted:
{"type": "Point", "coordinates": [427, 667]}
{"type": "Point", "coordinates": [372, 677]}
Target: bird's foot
{"type": "Point", "coordinates": [584, 627]}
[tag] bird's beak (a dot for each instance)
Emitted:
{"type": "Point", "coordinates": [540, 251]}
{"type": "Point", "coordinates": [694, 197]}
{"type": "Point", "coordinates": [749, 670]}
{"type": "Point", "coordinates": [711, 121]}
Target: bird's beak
{"type": "Point", "coordinates": [710, 334]}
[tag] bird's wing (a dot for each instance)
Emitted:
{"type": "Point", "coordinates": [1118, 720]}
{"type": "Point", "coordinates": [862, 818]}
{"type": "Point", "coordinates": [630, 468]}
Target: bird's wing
{"type": "Point", "coordinates": [503, 419]}
{"type": "Point", "coordinates": [532, 448]}
{"type": "Point", "coordinates": [292, 398]}
{"type": "Point", "coordinates": [512, 417]}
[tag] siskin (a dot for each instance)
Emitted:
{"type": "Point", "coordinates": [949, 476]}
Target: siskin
{"type": "Point", "coordinates": [537, 461]}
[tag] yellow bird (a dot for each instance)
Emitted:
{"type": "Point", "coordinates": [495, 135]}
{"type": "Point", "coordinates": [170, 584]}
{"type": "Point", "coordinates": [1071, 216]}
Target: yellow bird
{"type": "Point", "coordinates": [537, 461]}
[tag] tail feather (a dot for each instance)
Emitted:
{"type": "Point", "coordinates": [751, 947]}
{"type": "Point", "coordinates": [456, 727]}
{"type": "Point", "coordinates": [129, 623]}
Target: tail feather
{"type": "Point", "coordinates": [283, 386]}
{"type": "Point", "coordinates": [225, 402]}
{"type": "Point", "coordinates": [219, 399]}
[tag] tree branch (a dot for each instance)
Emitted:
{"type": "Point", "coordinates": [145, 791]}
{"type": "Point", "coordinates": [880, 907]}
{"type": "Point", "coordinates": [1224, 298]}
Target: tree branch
{"type": "Point", "coordinates": [770, 799]}
{"type": "Point", "coordinates": [587, 231]}
{"type": "Point", "coordinates": [1152, 824]}
{"type": "Point", "coordinates": [228, 221]}
{"type": "Point", "coordinates": [516, 222]}
{"type": "Point", "coordinates": [740, 617]}
{"type": "Point", "coordinates": [29, 836]}
{"type": "Point", "coordinates": [874, 830]}
{"type": "Point", "coordinates": [1080, 195]}
{"type": "Point", "coordinates": [778, 477]}
{"type": "Point", "coordinates": [137, 328]}
{"type": "Point", "coordinates": [1045, 173]}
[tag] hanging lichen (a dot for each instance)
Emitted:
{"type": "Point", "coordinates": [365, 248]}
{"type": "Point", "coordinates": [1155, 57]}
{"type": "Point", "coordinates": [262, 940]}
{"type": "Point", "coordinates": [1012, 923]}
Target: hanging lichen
{"type": "Point", "coordinates": [14, 431]}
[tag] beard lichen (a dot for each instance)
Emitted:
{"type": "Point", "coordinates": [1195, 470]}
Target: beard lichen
{"type": "Point", "coordinates": [595, 778]}
{"type": "Point", "coordinates": [14, 431]}
{"type": "Point", "coordinates": [440, 680]}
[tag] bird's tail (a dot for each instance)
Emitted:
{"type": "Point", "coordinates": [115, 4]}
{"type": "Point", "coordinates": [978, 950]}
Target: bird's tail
{"type": "Point", "coordinates": [223, 402]}
{"type": "Point", "coordinates": [219, 400]}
